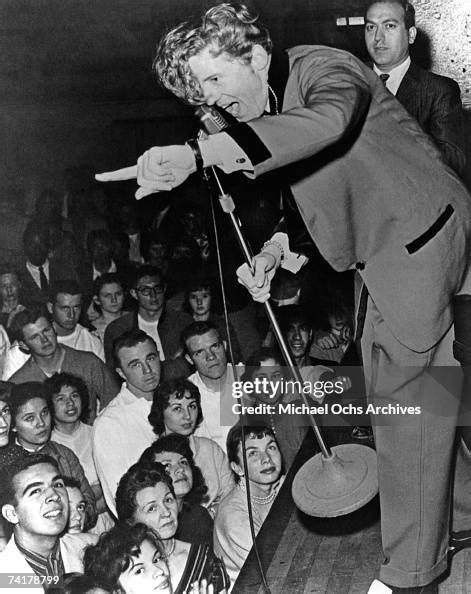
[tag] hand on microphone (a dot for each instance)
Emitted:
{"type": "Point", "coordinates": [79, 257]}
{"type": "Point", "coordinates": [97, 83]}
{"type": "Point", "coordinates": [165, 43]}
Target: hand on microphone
{"type": "Point", "coordinates": [160, 169]}
{"type": "Point", "coordinates": [258, 281]}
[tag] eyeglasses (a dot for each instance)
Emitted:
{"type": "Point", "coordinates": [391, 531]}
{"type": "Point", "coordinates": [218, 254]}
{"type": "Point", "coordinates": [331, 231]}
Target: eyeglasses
{"type": "Point", "coordinates": [148, 291]}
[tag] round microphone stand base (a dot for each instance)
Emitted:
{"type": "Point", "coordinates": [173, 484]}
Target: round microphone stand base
{"type": "Point", "coordinates": [337, 485]}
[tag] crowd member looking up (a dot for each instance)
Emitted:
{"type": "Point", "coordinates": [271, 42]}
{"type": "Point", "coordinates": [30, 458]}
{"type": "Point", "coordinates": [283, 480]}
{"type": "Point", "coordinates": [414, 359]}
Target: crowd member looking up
{"type": "Point", "coordinates": [122, 432]}
{"type": "Point", "coordinates": [31, 426]}
{"type": "Point", "coordinates": [173, 451]}
{"type": "Point", "coordinates": [433, 100]}
{"type": "Point", "coordinates": [108, 299]}
{"type": "Point", "coordinates": [232, 536]}
{"type": "Point", "coordinates": [10, 287]}
{"type": "Point", "coordinates": [176, 408]}
{"type": "Point", "coordinates": [407, 236]}
{"type": "Point", "coordinates": [34, 501]}
{"type": "Point", "coordinates": [146, 495]}
{"type": "Point", "coordinates": [164, 327]}
{"type": "Point", "coordinates": [199, 304]}
{"type": "Point", "coordinates": [36, 334]}
{"type": "Point", "coordinates": [77, 506]}
{"type": "Point", "coordinates": [65, 307]}
{"type": "Point", "coordinates": [68, 398]}
{"type": "Point", "coordinates": [129, 560]}
{"type": "Point", "coordinates": [213, 377]}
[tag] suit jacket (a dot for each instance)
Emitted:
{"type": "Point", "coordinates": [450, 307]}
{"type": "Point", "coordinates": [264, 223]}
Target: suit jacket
{"type": "Point", "coordinates": [31, 294]}
{"type": "Point", "coordinates": [435, 102]}
{"type": "Point", "coordinates": [72, 548]}
{"type": "Point", "coordinates": [370, 186]}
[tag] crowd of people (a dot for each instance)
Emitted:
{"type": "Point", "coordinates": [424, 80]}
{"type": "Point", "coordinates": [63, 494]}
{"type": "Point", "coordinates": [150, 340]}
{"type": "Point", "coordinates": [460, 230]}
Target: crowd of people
{"type": "Point", "coordinates": [124, 466]}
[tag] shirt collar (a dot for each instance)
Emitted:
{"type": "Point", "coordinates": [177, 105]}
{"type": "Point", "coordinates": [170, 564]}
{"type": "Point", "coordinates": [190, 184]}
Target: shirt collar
{"type": "Point", "coordinates": [395, 75]}
{"type": "Point", "coordinates": [34, 268]}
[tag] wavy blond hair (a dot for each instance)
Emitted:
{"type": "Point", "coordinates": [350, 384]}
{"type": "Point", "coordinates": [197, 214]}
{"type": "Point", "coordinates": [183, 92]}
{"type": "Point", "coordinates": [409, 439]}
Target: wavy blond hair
{"type": "Point", "coordinates": [226, 28]}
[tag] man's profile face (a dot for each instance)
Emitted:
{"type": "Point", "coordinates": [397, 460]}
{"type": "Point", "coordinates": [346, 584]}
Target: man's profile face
{"type": "Point", "coordinates": [230, 83]}
{"type": "Point", "coordinates": [208, 354]}
{"type": "Point", "coordinates": [386, 37]}
{"type": "Point", "coordinates": [36, 248]}
{"type": "Point", "coordinates": [40, 338]}
{"type": "Point", "coordinates": [42, 505]}
{"type": "Point", "coordinates": [66, 310]}
{"type": "Point", "coordinates": [150, 293]}
{"type": "Point", "coordinates": [140, 367]}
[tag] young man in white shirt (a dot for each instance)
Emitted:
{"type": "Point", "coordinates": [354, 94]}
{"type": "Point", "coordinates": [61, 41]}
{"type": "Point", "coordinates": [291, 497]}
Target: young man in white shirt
{"type": "Point", "coordinates": [65, 307]}
{"type": "Point", "coordinates": [122, 431]}
{"type": "Point", "coordinates": [213, 377]}
{"type": "Point", "coordinates": [34, 500]}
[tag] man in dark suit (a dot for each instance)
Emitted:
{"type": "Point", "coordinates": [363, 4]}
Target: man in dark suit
{"type": "Point", "coordinates": [38, 271]}
{"type": "Point", "coordinates": [375, 195]}
{"type": "Point", "coordinates": [433, 100]}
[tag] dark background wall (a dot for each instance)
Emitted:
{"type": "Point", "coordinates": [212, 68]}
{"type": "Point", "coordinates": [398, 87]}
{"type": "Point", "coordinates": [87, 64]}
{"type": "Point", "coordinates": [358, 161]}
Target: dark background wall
{"type": "Point", "coordinates": [77, 85]}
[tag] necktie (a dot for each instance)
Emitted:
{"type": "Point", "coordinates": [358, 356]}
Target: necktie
{"type": "Point", "coordinates": [43, 280]}
{"type": "Point", "coordinates": [384, 78]}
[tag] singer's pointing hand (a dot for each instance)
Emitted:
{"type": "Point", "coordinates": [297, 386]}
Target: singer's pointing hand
{"type": "Point", "coordinates": [159, 169]}
{"type": "Point", "coordinates": [259, 280]}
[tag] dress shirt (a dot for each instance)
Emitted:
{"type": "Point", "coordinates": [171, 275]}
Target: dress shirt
{"type": "Point", "coordinates": [216, 405]}
{"type": "Point", "coordinates": [34, 271]}
{"type": "Point", "coordinates": [121, 433]}
{"type": "Point", "coordinates": [395, 75]}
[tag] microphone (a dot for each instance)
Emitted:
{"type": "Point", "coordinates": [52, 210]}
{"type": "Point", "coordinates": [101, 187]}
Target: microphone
{"type": "Point", "coordinates": [214, 119]}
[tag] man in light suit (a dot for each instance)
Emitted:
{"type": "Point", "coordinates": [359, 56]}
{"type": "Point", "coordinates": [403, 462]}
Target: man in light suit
{"type": "Point", "coordinates": [374, 195]}
{"type": "Point", "coordinates": [34, 500]}
{"type": "Point", "coordinates": [433, 100]}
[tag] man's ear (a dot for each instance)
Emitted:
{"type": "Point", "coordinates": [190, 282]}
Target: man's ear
{"type": "Point", "coordinates": [119, 371]}
{"type": "Point", "coordinates": [49, 307]}
{"type": "Point", "coordinates": [133, 293]}
{"type": "Point", "coordinates": [412, 33]}
{"type": "Point", "coordinates": [96, 300]}
{"type": "Point", "coordinates": [237, 469]}
{"type": "Point", "coordinates": [9, 513]}
{"type": "Point", "coordinates": [24, 346]}
{"type": "Point", "coordinates": [260, 58]}
{"type": "Point", "coordinates": [189, 359]}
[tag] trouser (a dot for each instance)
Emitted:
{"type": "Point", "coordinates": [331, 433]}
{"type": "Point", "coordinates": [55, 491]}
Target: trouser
{"type": "Point", "coordinates": [416, 452]}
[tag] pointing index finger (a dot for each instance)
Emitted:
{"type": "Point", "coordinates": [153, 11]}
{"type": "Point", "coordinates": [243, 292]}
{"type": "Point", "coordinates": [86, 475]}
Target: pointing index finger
{"type": "Point", "coordinates": [118, 174]}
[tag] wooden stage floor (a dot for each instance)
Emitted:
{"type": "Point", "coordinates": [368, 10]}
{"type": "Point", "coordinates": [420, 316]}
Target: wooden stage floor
{"type": "Point", "coordinates": [301, 554]}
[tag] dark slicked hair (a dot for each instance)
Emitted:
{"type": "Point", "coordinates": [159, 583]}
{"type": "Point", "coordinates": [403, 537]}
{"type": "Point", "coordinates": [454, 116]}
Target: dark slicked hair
{"type": "Point", "coordinates": [238, 435]}
{"type": "Point", "coordinates": [25, 317]}
{"type": "Point", "coordinates": [178, 444]}
{"type": "Point", "coordinates": [23, 393]}
{"type": "Point", "coordinates": [129, 339]}
{"type": "Point", "coordinates": [112, 555]}
{"type": "Point", "coordinates": [107, 279]}
{"type": "Point", "coordinates": [137, 478]}
{"type": "Point", "coordinates": [146, 270]}
{"type": "Point", "coordinates": [18, 463]}
{"type": "Point", "coordinates": [179, 388]}
{"type": "Point", "coordinates": [54, 384]}
{"type": "Point", "coordinates": [197, 329]}
{"type": "Point", "coordinates": [65, 287]}
{"type": "Point", "coordinates": [409, 10]}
